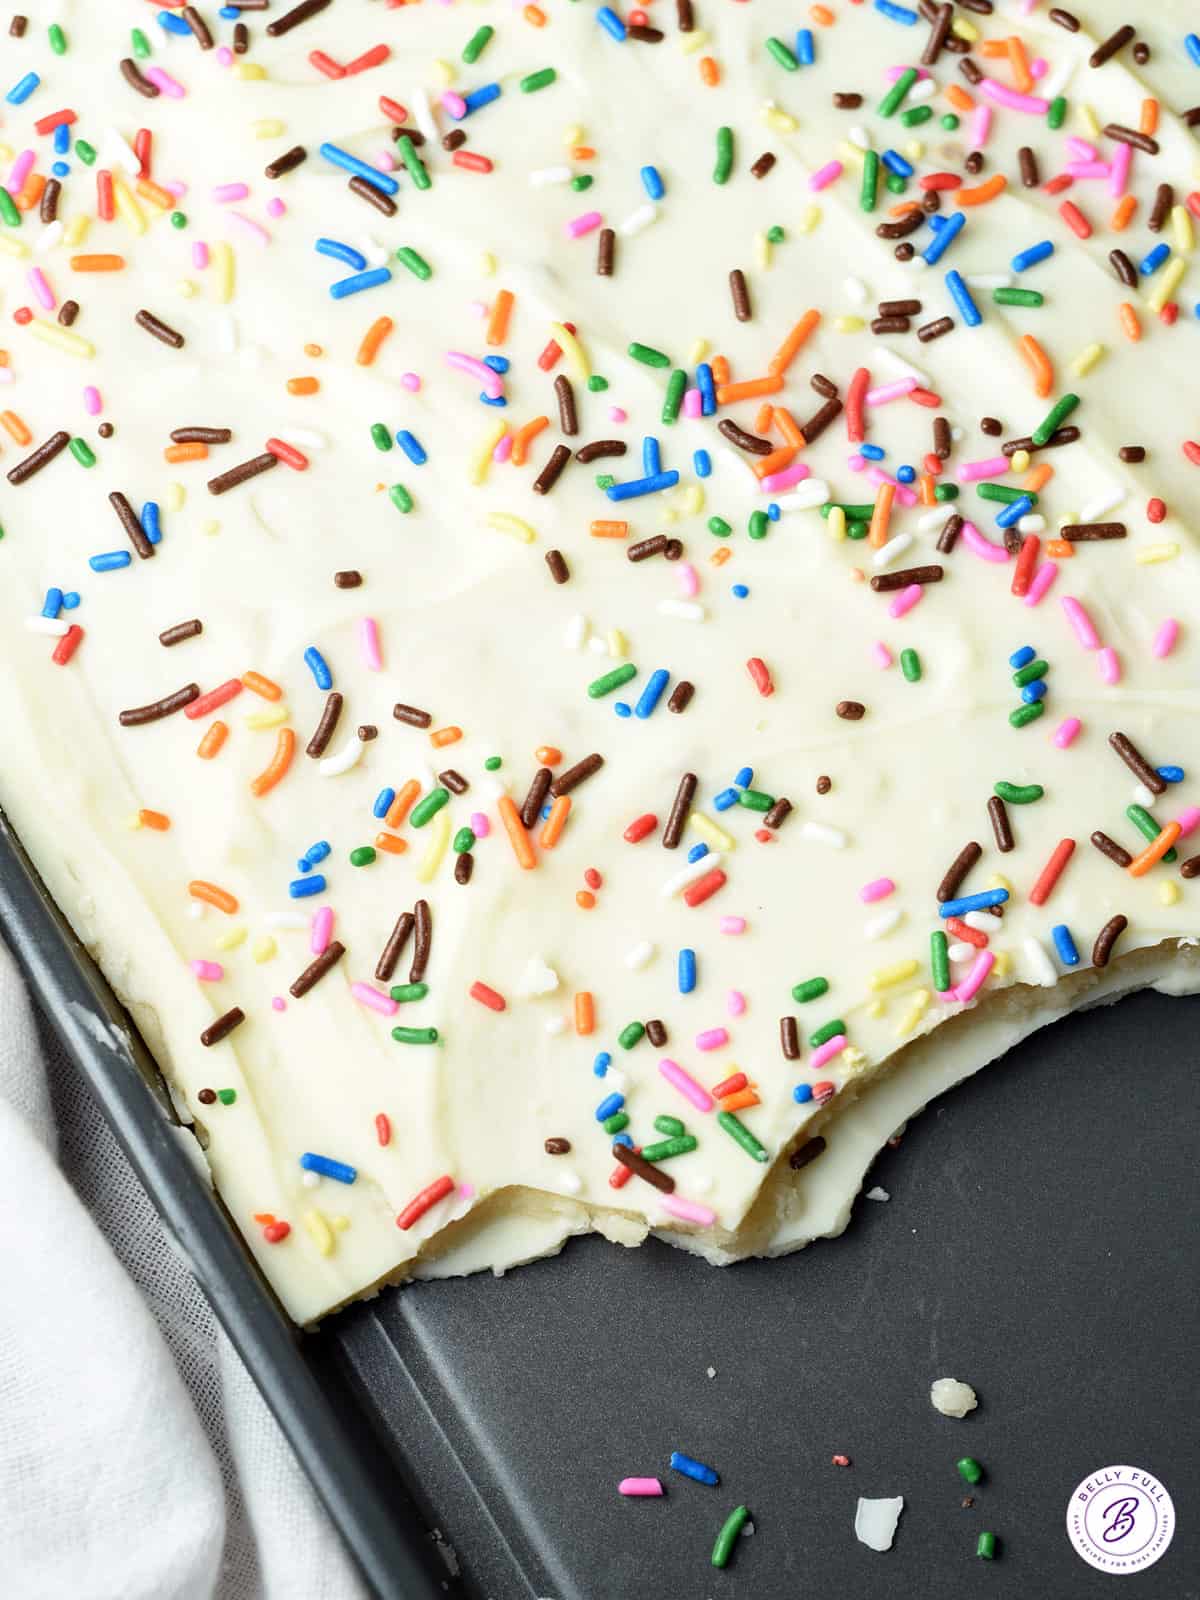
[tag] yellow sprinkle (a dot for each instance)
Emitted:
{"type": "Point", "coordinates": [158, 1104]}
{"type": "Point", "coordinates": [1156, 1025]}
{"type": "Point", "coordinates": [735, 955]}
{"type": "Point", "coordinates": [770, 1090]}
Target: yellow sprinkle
{"type": "Point", "coordinates": [1181, 227]}
{"type": "Point", "coordinates": [76, 230]}
{"type": "Point", "coordinates": [482, 459]}
{"type": "Point", "coordinates": [62, 338]}
{"type": "Point", "coordinates": [762, 250]}
{"type": "Point", "coordinates": [1167, 284]}
{"type": "Point", "coordinates": [875, 1008]}
{"type": "Point", "coordinates": [914, 150]}
{"type": "Point", "coordinates": [445, 72]}
{"type": "Point", "coordinates": [698, 351]}
{"type": "Point", "coordinates": [1065, 519]}
{"type": "Point", "coordinates": [439, 838]}
{"type": "Point", "coordinates": [1149, 554]}
{"type": "Point", "coordinates": [1086, 119]}
{"type": "Point", "coordinates": [836, 524]}
{"type": "Point", "coordinates": [319, 1230]}
{"type": "Point", "coordinates": [176, 494]}
{"type": "Point", "coordinates": [249, 72]}
{"type": "Point", "coordinates": [221, 256]}
{"type": "Point", "coordinates": [1002, 963]}
{"type": "Point", "coordinates": [962, 29]}
{"type": "Point", "coordinates": [689, 43]}
{"type": "Point", "coordinates": [270, 718]}
{"type": "Point", "coordinates": [850, 155]}
{"type": "Point", "coordinates": [13, 247]}
{"type": "Point", "coordinates": [779, 121]}
{"type": "Point", "coordinates": [6, 152]}
{"type": "Point", "coordinates": [898, 972]}
{"type": "Point", "coordinates": [848, 324]}
{"type": "Point", "coordinates": [1087, 359]}
{"type": "Point", "coordinates": [267, 128]}
{"type": "Point", "coordinates": [1020, 460]}
{"type": "Point", "coordinates": [185, 289]}
{"type": "Point", "coordinates": [1168, 892]}
{"type": "Point", "coordinates": [340, 1223]}
{"type": "Point", "coordinates": [264, 949]}
{"type": "Point", "coordinates": [517, 527]}
{"type": "Point", "coordinates": [667, 517]}
{"type": "Point", "coordinates": [230, 939]}
{"type": "Point", "coordinates": [913, 1015]}
{"type": "Point", "coordinates": [573, 134]}
{"type": "Point", "coordinates": [999, 881]}
{"type": "Point", "coordinates": [711, 832]}
{"type": "Point", "coordinates": [618, 645]}
{"type": "Point", "coordinates": [210, 527]}
{"type": "Point", "coordinates": [130, 213]}
{"type": "Point", "coordinates": [573, 350]}
{"type": "Point", "coordinates": [487, 263]}
{"type": "Point", "coordinates": [810, 218]}
{"type": "Point", "coordinates": [133, 821]}
{"type": "Point", "coordinates": [693, 500]}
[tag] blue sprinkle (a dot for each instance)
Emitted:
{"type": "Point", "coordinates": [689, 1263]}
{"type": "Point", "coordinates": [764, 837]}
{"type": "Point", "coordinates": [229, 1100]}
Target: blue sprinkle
{"type": "Point", "coordinates": [52, 604]}
{"type": "Point", "coordinates": [802, 1094]}
{"type": "Point", "coordinates": [1022, 657]}
{"type": "Point", "coordinates": [652, 183]}
{"type": "Point", "coordinates": [1155, 259]}
{"type": "Point", "coordinates": [317, 665]}
{"type": "Point", "coordinates": [229, 13]}
{"type": "Point", "coordinates": [303, 888]}
{"type": "Point", "coordinates": [151, 522]}
{"type": "Point", "coordinates": [110, 561]}
{"type": "Point", "coordinates": [602, 1063]}
{"type": "Point", "coordinates": [624, 1140]}
{"type": "Point", "coordinates": [635, 488]}
{"type": "Point", "coordinates": [972, 902]}
{"type": "Point", "coordinates": [1171, 774]}
{"type": "Point", "coordinates": [1034, 691]}
{"type": "Point", "coordinates": [895, 162]}
{"type": "Point", "coordinates": [170, 23]}
{"type": "Point", "coordinates": [873, 452]}
{"type": "Point", "coordinates": [937, 222]}
{"type": "Point", "coordinates": [21, 91]}
{"type": "Point", "coordinates": [773, 512]}
{"type": "Point", "coordinates": [944, 237]}
{"type": "Point", "coordinates": [707, 388]}
{"type": "Point", "coordinates": [652, 693]}
{"type": "Point", "coordinates": [362, 169]}
{"type": "Point", "coordinates": [493, 400]}
{"type": "Point", "coordinates": [739, 591]}
{"type": "Point", "coordinates": [62, 139]}
{"type": "Point", "coordinates": [317, 852]}
{"type": "Point", "coordinates": [745, 777]}
{"type": "Point", "coordinates": [303, 864]}
{"type": "Point", "coordinates": [961, 295]}
{"type": "Point", "coordinates": [1013, 512]}
{"type": "Point", "coordinates": [651, 456]}
{"type": "Point", "coordinates": [611, 23]}
{"type": "Point", "coordinates": [697, 853]}
{"type": "Point", "coordinates": [685, 1464]}
{"type": "Point", "coordinates": [327, 1167]}
{"type": "Point", "coordinates": [498, 364]}
{"type": "Point", "coordinates": [906, 474]}
{"type": "Point", "coordinates": [383, 801]}
{"type": "Point", "coordinates": [70, 600]}
{"type": "Point", "coordinates": [805, 54]}
{"type": "Point", "coordinates": [341, 252]}
{"type": "Point", "coordinates": [1192, 41]}
{"type": "Point", "coordinates": [896, 13]}
{"type": "Point", "coordinates": [360, 281]}
{"type": "Point", "coordinates": [478, 98]}
{"type": "Point", "coordinates": [686, 971]}
{"type": "Point", "coordinates": [609, 1106]}
{"type": "Point", "coordinates": [1030, 258]}
{"type": "Point", "coordinates": [1065, 945]}
{"type": "Point", "coordinates": [60, 169]}
{"type": "Point", "coordinates": [623, 709]}
{"type": "Point", "coordinates": [726, 798]}
{"type": "Point", "coordinates": [702, 462]}
{"type": "Point", "coordinates": [412, 447]}
{"type": "Point", "coordinates": [546, 809]}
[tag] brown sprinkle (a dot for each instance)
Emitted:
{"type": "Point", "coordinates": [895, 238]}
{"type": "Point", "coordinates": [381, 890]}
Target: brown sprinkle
{"type": "Point", "coordinates": [293, 18]}
{"type": "Point", "coordinates": [1190, 868]}
{"type": "Point", "coordinates": [684, 15]}
{"type": "Point", "coordinates": [681, 808]}
{"type": "Point", "coordinates": [366, 732]}
{"type": "Point", "coordinates": [740, 295]}
{"type": "Point", "coordinates": [1028, 163]}
{"type": "Point", "coordinates": [655, 545]}
{"type": "Point", "coordinates": [891, 325]}
{"type": "Point", "coordinates": [823, 385]}
{"type": "Point", "coordinates": [1137, 763]}
{"type": "Point", "coordinates": [1110, 848]}
{"type": "Point", "coordinates": [1164, 201]}
{"type": "Point", "coordinates": [641, 1168]}
{"type": "Point", "coordinates": [948, 537]}
{"type": "Point", "coordinates": [198, 26]}
{"type": "Point", "coordinates": [538, 790]}
{"type": "Point", "coordinates": [600, 447]}
{"type": "Point", "coordinates": [42, 456]}
{"type": "Point", "coordinates": [67, 313]}
{"type": "Point", "coordinates": [348, 579]}
{"type": "Point", "coordinates": [1001, 826]}
{"type": "Point", "coordinates": [17, 27]}
{"type": "Point", "coordinates": [557, 1147]}
{"type": "Point", "coordinates": [319, 742]}
{"type": "Point", "coordinates": [287, 162]}
{"type": "Point", "coordinates": [454, 140]}
{"type": "Point", "coordinates": [464, 866]}
{"type": "Point", "coordinates": [316, 970]}
{"type": "Point", "coordinates": [750, 442]}
{"type": "Point", "coordinates": [938, 34]}
{"type": "Point", "coordinates": [899, 308]}
{"type": "Point", "coordinates": [943, 439]}
{"type": "Point", "coordinates": [423, 930]}
{"type": "Point", "coordinates": [957, 871]}
{"type": "Point", "coordinates": [181, 631]}
{"type": "Point", "coordinates": [656, 1032]}
{"type": "Point", "coordinates": [824, 784]}
{"type": "Point", "coordinates": [763, 165]}
{"type": "Point", "coordinates": [201, 435]}
{"type": "Point", "coordinates": [681, 696]}
{"type": "Point", "coordinates": [161, 330]}
{"type": "Point", "coordinates": [778, 813]}
{"type": "Point", "coordinates": [1115, 926]}
{"type": "Point", "coordinates": [1088, 532]}
{"type": "Point", "coordinates": [574, 776]}
{"type": "Point", "coordinates": [415, 717]}
{"type": "Point", "coordinates": [451, 779]}
{"type": "Point", "coordinates": [128, 519]}
{"type": "Point", "coordinates": [394, 948]}
{"type": "Point", "coordinates": [1105, 52]}
{"type": "Point", "coordinates": [381, 202]}
{"type": "Point", "coordinates": [808, 1151]}
{"type": "Point", "coordinates": [557, 563]}
{"type": "Point", "coordinates": [882, 582]}
{"type": "Point", "coordinates": [1131, 136]}
{"type": "Point", "coordinates": [1134, 454]}
{"type": "Point", "coordinates": [132, 74]}
{"type": "Point", "coordinates": [1064, 19]}
{"type": "Point", "coordinates": [157, 709]}
{"type": "Point", "coordinates": [847, 102]}
{"type": "Point", "coordinates": [850, 710]}
{"type": "Point", "coordinates": [820, 420]}
{"type": "Point", "coordinates": [222, 1027]}
{"type": "Point", "coordinates": [568, 421]}
{"type": "Point", "coordinates": [789, 1038]}
{"type": "Point", "coordinates": [241, 38]}
{"type": "Point", "coordinates": [242, 473]}
{"type": "Point", "coordinates": [645, 35]}
{"type": "Point", "coordinates": [48, 206]}
{"type": "Point", "coordinates": [606, 250]}
{"type": "Point", "coordinates": [552, 471]}
{"type": "Point", "coordinates": [1124, 268]}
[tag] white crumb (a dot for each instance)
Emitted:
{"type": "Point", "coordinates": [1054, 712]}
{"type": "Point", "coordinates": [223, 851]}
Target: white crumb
{"type": "Point", "coordinates": [875, 1521]}
{"type": "Point", "coordinates": [952, 1398]}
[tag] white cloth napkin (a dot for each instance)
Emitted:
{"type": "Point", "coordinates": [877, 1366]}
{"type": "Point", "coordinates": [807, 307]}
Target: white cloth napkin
{"type": "Point", "coordinates": [137, 1459]}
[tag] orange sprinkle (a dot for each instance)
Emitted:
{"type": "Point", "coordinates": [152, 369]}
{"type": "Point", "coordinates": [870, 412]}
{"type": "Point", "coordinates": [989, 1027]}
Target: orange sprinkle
{"type": "Point", "coordinates": [1039, 362]}
{"type": "Point", "coordinates": [14, 427]}
{"type": "Point", "coordinates": [720, 369]}
{"type": "Point", "coordinates": [720, 555]}
{"type": "Point", "coordinates": [556, 821]}
{"type": "Point", "coordinates": [765, 417]}
{"type": "Point", "coordinates": [903, 208]}
{"type": "Point", "coordinates": [523, 436]}
{"type": "Point", "coordinates": [585, 1012]}
{"type": "Point", "coordinates": [1130, 326]}
{"type": "Point", "coordinates": [710, 72]}
{"type": "Point", "coordinates": [450, 734]}
{"type": "Point", "coordinates": [547, 755]}
{"type": "Point", "coordinates": [149, 190]}
{"type": "Point", "coordinates": [1149, 121]}
{"type": "Point", "coordinates": [3, 358]}
{"type": "Point", "coordinates": [1038, 478]}
{"type": "Point", "coordinates": [302, 385]}
{"type": "Point", "coordinates": [213, 896]}
{"type": "Point", "coordinates": [214, 737]}
{"type": "Point", "coordinates": [315, 350]}
{"type": "Point", "coordinates": [786, 354]}
{"type": "Point", "coordinates": [371, 341]}
{"type": "Point", "coordinates": [959, 98]}
{"type": "Point", "coordinates": [515, 829]}
{"type": "Point", "coordinates": [1123, 215]}
{"type": "Point", "coordinates": [740, 1100]}
{"type": "Point", "coordinates": [1060, 549]}
{"type": "Point", "coordinates": [1154, 851]}
{"type": "Point", "coordinates": [402, 804]}
{"type": "Point", "coordinates": [158, 820]}
{"type": "Point", "coordinates": [609, 530]}
{"type": "Point", "coordinates": [260, 685]}
{"type": "Point", "coordinates": [585, 899]}
{"type": "Point", "coordinates": [926, 486]}
{"type": "Point", "coordinates": [285, 749]}
{"type": "Point", "coordinates": [497, 328]}
{"type": "Point", "coordinates": [748, 389]}
{"type": "Point", "coordinates": [193, 450]}
{"type": "Point", "coordinates": [763, 466]}
{"type": "Point", "coordinates": [1019, 61]}
{"type": "Point", "coordinates": [788, 427]}
{"type": "Point", "coordinates": [583, 152]}
{"type": "Point", "coordinates": [100, 263]}
{"type": "Point", "coordinates": [993, 48]}
{"type": "Point", "coordinates": [880, 517]}
{"type": "Point", "coordinates": [984, 192]}
{"type": "Point", "coordinates": [534, 16]}
{"type": "Point", "coordinates": [390, 843]}
{"type": "Point", "coordinates": [821, 15]}
{"type": "Point", "coordinates": [31, 192]}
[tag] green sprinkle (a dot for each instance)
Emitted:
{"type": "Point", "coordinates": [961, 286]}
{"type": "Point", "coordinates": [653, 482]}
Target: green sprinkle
{"type": "Point", "coordinates": [857, 530]}
{"type": "Point", "coordinates": [604, 480]}
{"type": "Point", "coordinates": [724, 164]}
{"type": "Point", "coordinates": [870, 180]}
{"type": "Point", "coordinates": [581, 181]}
{"type": "Point", "coordinates": [596, 384]}
{"type": "Point", "coordinates": [83, 453]}
{"type": "Point", "coordinates": [916, 115]}
{"type": "Point", "coordinates": [179, 219]}
{"type": "Point", "coordinates": [1056, 116]}
{"type": "Point", "coordinates": [415, 263]}
{"type": "Point", "coordinates": [781, 53]}
{"type": "Point", "coordinates": [950, 122]}
{"type": "Point", "coordinates": [463, 840]}
{"type": "Point", "coordinates": [415, 1035]}
{"type": "Point", "coordinates": [648, 355]}
{"type": "Point", "coordinates": [409, 991]}
{"type": "Point", "coordinates": [400, 497]}
{"type": "Point", "coordinates": [810, 989]}
{"type": "Point", "coordinates": [939, 961]}
{"type": "Point", "coordinates": [858, 512]}
{"type": "Point", "coordinates": [894, 98]}
{"type": "Point", "coordinates": [538, 80]}
{"type": "Point", "coordinates": [1031, 673]}
{"type": "Point", "coordinates": [1054, 418]}
{"type": "Point", "coordinates": [776, 235]}
{"type": "Point", "coordinates": [738, 1131]}
{"type": "Point", "coordinates": [910, 665]}
{"type": "Point", "coordinates": [730, 1532]}
{"type": "Point", "coordinates": [1026, 714]}
{"type": "Point", "coordinates": [760, 525]}
{"type": "Point", "coordinates": [617, 1123]}
{"type": "Point", "coordinates": [1001, 491]}
{"type": "Point", "coordinates": [682, 1145]}
{"type": "Point", "coordinates": [362, 855]}
{"type": "Point", "coordinates": [85, 151]}
{"type": "Point", "coordinates": [58, 39]}
{"type": "Point", "coordinates": [671, 1126]}
{"type": "Point", "coordinates": [755, 800]}
{"type": "Point", "coordinates": [413, 162]}
{"type": "Point", "coordinates": [381, 435]}
{"type": "Point", "coordinates": [969, 1470]}
{"type": "Point", "coordinates": [1018, 297]}
{"type": "Point", "coordinates": [492, 764]}
{"type": "Point", "coordinates": [945, 491]}
{"type": "Point", "coordinates": [8, 211]}
{"type": "Point", "coordinates": [1019, 794]}
{"type": "Point", "coordinates": [428, 807]}
{"type": "Point", "coordinates": [1147, 827]}
{"type": "Point", "coordinates": [673, 398]}
{"type": "Point", "coordinates": [140, 46]}
{"type": "Point", "coordinates": [829, 1031]}
{"type": "Point", "coordinates": [226, 1096]}
{"type": "Point", "coordinates": [477, 44]}
{"type": "Point", "coordinates": [609, 681]}
{"type": "Point", "coordinates": [985, 1546]}
{"type": "Point", "coordinates": [720, 527]}
{"type": "Point", "coordinates": [895, 184]}
{"type": "Point", "coordinates": [632, 1033]}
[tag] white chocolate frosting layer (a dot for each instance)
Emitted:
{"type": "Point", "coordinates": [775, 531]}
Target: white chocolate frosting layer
{"type": "Point", "coordinates": [472, 629]}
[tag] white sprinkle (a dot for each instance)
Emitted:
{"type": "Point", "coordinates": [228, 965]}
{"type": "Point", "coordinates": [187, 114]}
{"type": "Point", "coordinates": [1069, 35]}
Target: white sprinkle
{"type": "Point", "coordinates": [53, 626]}
{"type": "Point", "coordinates": [811, 493]}
{"type": "Point", "coordinates": [547, 175]}
{"type": "Point", "coordinates": [898, 365]}
{"type": "Point", "coordinates": [855, 290]}
{"type": "Point", "coordinates": [375, 253]}
{"type": "Point", "coordinates": [1143, 796]}
{"type": "Point", "coordinates": [888, 552]}
{"type": "Point", "coordinates": [931, 520]}
{"type": "Point", "coordinates": [637, 221]}
{"type": "Point", "coordinates": [689, 874]}
{"type": "Point", "coordinates": [961, 952]}
{"type": "Point", "coordinates": [116, 152]}
{"type": "Point", "coordinates": [226, 333]}
{"type": "Point", "coordinates": [823, 834]}
{"type": "Point", "coordinates": [879, 927]}
{"type": "Point", "coordinates": [742, 469]}
{"type": "Point", "coordinates": [311, 1180]}
{"type": "Point", "coordinates": [49, 237]}
{"type": "Point", "coordinates": [860, 137]}
{"type": "Point", "coordinates": [981, 921]}
{"type": "Point", "coordinates": [877, 1194]}
{"type": "Point", "coordinates": [1033, 523]}
{"type": "Point", "coordinates": [875, 1522]}
{"type": "Point", "coordinates": [570, 1182]}
{"type": "Point", "coordinates": [291, 921]}
{"type": "Point", "coordinates": [196, 911]}
{"type": "Point", "coordinates": [577, 629]}
{"type": "Point", "coordinates": [598, 646]}
{"type": "Point", "coordinates": [418, 103]}
{"type": "Point", "coordinates": [556, 1025]}
{"type": "Point", "coordinates": [685, 610]}
{"type": "Point", "coordinates": [924, 90]}
{"type": "Point", "coordinates": [347, 757]}
{"type": "Point", "coordinates": [952, 1397]}
{"type": "Point", "coordinates": [710, 1372]}
{"type": "Point", "coordinates": [1104, 502]}
{"type": "Point", "coordinates": [538, 978]}
{"type": "Point", "coordinates": [1040, 964]}
{"type": "Point", "coordinates": [639, 956]}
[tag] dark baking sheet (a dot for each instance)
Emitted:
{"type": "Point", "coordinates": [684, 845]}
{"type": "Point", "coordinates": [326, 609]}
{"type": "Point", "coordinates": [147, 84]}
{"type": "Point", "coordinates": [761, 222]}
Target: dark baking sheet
{"type": "Point", "coordinates": [1039, 1243]}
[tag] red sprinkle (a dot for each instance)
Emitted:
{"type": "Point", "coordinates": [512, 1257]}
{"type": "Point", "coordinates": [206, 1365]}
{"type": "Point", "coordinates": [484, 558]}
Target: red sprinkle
{"type": "Point", "coordinates": [326, 64]}
{"type": "Point", "coordinates": [56, 119]}
{"type": "Point", "coordinates": [1156, 509]}
{"type": "Point", "coordinates": [486, 996]}
{"type": "Point", "coordinates": [383, 1128]}
{"type": "Point", "coordinates": [704, 888]}
{"type": "Point", "coordinates": [22, 315]}
{"type": "Point", "coordinates": [592, 878]}
{"type": "Point", "coordinates": [67, 645]}
{"type": "Point", "coordinates": [1075, 219]}
{"type": "Point", "coordinates": [1193, 203]}
{"type": "Point", "coordinates": [142, 140]}
{"type": "Point", "coordinates": [761, 674]}
{"type": "Point", "coordinates": [963, 931]}
{"type": "Point", "coordinates": [620, 1174]}
{"type": "Point", "coordinates": [925, 397]}
{"type": "Point", "coordinates": [1192, 451]}
{"type": "Point", "coordinates": [764, 835]}
{"type": "Point", "coordinates": [472, 161]}
{"type": "Point", "coordinates": [1026, 561]}
{"type": "Point", "coordinates": [420, 1203]}
{"type": "Point", "coordinates": [840, 1461]}
{"type": "Point", "coordinates": [1051, 872]}
{"type": "Point", "coordinates": [552, 351]}
{"type": "Point", "coordinates": [373, 57]}
{"type": "Point", "coordinates": [1169, 314]}
{"type": "Point", "coordinates": [934, 465]}
{"type": "Point", "coordinates": [392, 109]}
{"type": "Point", "coordinates": [856, 391]}
{"type": "Point", "coordinates": [1057, 185]}
{"type": "Point", "coordinates": [104, 195]}
{"type": "Point", "coordinates": [276, 1232]}
{"type": "Point", "coordinates": [214, 698]}
{"type": "Point", "coordinates": [288, 454]}
{"type": "Point", "coordinates": [729, 1085]}
{"type": "Point", "coordinates": [941, 180]}
{"type": "Point", "coordinates": [640, 828]}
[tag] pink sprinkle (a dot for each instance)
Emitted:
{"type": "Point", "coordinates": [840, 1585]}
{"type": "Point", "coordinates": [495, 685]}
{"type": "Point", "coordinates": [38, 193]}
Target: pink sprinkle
{"type": "Point", "coordinates": [41, 289]}
{"type": "Point", "coordinates": [617, 414]}
{"type": "Point", "coordinates": [1187, 820]}
{"type": "Point", "coordinates": [693, 403]}
{"type": "Point", "coordinates": [735, 1002]}
{"type": "Point", "coordinates": [466, 1191]}
{"type": "Point", "coordinates": [981, 126]}
{"type": "Point", "coordinates": [1164, 639]}
{"type": "Point", "coordinates": [199, 255]}
{"type": "Point", "coordinates": [208, 971]}
{"type": "Point", "coordinates": [586, 222]}
{"type": "Point", "coordinates": [787, 479]}
{"type": "Point", "coordinates": [984, 548]}
{"type": "Point", "coordinates": [321, 931]}
{"type": "Point", "coordinates": [879, 889]}
{"type": "Point", "coordinates": [278, 1003]}
{"type": "Point", "coordinates": [1109, 665]}
{"type": "Point", "coordinates": [1081, 150]}
{"type": "Point", "coordinates": [824, 176]}
{"type": "Point", "coordinates": [1088, 169]}
{"type": "Point", "coordinates": [1085, 632]}
{"type": "Point", "coordinates": [1064, 734]}
{"type": "Point", "coordinates": [91, 401]}
{"type": "Point", "coordinates": [173, 186]}
{"type": "Point", "coordinates": [905, 600]}
{"type": "Point", "coordinates": [641, 1486]}
{"type": "Point", "coordinates": [856, 463]}
{"type": "Point", "coordinates": [165, 82]}
{"type": "Point", "coordinates": [686, 1084]}
{"type": "Point", "coordinates": [1121, 163]}
{"type": "Point", "coordinates": [248, 225]}
{"type": "Point", "coordinates": [712, 1039]}
{"type": "Point", "coordinates": [276, 207]}
{"type": "Point", "coordinates": [480, 826]}
{"type": "Point", "coordinates": [368, 644]}
{"type": "Point", "coordinates": [1004, 96]}
{"type": "Point", "coordinates": [732, 925]}
{"type": "Point", "coordinates": [689, 1210]}
{"type": "Point", "coordinates": [893, 73]}
{"type": "Point", "coordinates": [20, 170]}
{"type": "Point", "coordinates": [478, 308]}
{"type": "Point", "coordinates": [973, 982]}
{"type": "Point", "coordinates": [490, 380]}
{"type": "Point", "coordinates": [1039, 66]}
{"type": "Point", "coordinates": [503, 448]}
{"type": "Point", "coordinates": [891, 391]}
{"type": "Point", "coordinates": [225, 192]}
{"type": "Point", "coordinates": [972, 471]}
{"type": "Point", "coordinates": [904, 496]}
{"type": "Point", "coordinates": [1042, 579]}
{"type": "Point", "coordinates": [410, 381]}
{"type": "Point", "coordinates": [826, 1052]}
{"type": "Point", "coordinates": [367, 995]}
{"type": "Point", "coordinates": [225, 59]}
{"type": "Point", "coordinates": [882, 656]}
{"type": "Point", "coordinates": [454, 104]}
{"type": "Point", "coordinates": [385, 161]}
{"type": "Point", "coordinates": [687, 578]}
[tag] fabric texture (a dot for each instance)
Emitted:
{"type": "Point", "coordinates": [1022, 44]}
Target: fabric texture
{"type": "Point", "coordinates": [137, 1459]}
